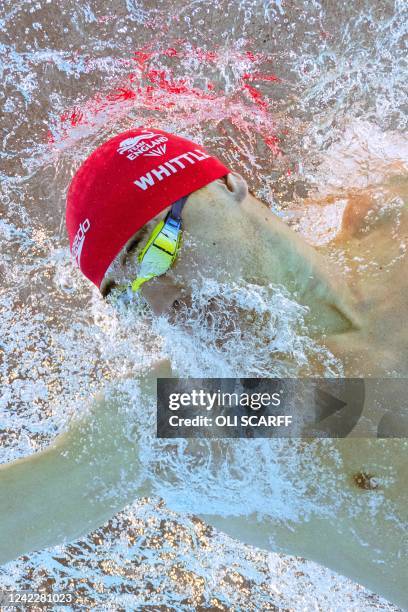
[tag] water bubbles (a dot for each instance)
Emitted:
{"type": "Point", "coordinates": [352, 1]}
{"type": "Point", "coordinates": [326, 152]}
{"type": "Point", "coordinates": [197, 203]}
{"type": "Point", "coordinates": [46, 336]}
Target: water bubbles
{"type": "Point", "coordinates": [240, 329]}
{"type": "Point", "coordinates": [309, 67]}
{"type": "Point", "coordinates": [60, 342]}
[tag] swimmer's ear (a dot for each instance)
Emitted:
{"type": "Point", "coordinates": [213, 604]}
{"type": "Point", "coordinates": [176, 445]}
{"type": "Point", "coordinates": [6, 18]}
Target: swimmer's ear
{"type": "Point", "coordinates": [236, 185]}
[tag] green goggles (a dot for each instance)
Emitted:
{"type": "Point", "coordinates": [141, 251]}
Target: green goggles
{"type": "Point", "coordinates": [162, 247]}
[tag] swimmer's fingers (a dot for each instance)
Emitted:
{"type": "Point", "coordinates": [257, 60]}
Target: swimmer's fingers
{"type": "Point", "coordinates": [160, 369]}
{"type": "Point", "coordinates": [147, 378]}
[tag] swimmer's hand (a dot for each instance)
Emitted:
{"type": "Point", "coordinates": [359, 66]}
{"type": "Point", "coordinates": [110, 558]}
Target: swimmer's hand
{"type": "Point", "coordinates": [148, 379]}
{"type": "Point", "coordinates": [161, 368]}
{"type": "Point", "coordinates": [88, 473]}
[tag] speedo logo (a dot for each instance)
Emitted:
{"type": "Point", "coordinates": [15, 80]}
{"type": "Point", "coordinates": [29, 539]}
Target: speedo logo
{"type": "Point", "coordinates": [79, 240]}
{"type": "Point", "coordinates": [147, 144]}
{"type": "Point", "coordinates": [172, 166]}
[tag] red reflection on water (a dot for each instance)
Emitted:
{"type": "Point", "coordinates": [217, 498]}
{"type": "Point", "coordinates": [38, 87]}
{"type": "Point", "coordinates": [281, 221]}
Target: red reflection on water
{"type": "Point", "coordinates": [192, 97]}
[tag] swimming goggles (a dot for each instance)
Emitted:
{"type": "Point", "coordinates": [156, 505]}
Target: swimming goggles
{"type": "Point", "coordinates": [162, 247]}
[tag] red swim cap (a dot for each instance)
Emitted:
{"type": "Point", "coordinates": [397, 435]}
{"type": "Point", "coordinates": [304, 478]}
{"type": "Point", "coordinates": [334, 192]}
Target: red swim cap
{"type": "Point", "coordinates": [123, 184]}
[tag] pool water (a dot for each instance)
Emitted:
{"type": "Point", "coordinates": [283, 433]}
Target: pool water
{"type": "Point", "coordinates": [301, 98]}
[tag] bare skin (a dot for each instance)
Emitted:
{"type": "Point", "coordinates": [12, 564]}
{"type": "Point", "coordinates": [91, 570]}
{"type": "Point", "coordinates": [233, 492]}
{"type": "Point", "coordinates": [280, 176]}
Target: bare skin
{"type": "Point", "coordinates": [361, 325]}
{"type": "Point", "coordinates": [370, 235]}
{"type": "Point", "coordinates": [233, 235]}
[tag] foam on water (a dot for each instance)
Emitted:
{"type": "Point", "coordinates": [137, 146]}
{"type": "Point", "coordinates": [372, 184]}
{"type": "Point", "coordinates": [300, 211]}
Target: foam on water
{"type": "Point", "coordinates": [241, 329]}
{"type": "Point", "coordinates": [294, 98]}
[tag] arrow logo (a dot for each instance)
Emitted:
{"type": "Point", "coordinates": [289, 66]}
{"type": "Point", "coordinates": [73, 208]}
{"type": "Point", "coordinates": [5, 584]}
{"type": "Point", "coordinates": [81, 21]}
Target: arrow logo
{"type": "Point", "coordinates": [337, 412]}
{"type": "Point", "coordinates": [326, 405]}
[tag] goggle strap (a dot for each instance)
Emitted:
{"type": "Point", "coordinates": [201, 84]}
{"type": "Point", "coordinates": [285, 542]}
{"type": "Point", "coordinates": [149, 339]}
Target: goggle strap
{"type": "Point", "coordinates": [177, 208]}
{"type": "Point", "coordinates": [163, 242]}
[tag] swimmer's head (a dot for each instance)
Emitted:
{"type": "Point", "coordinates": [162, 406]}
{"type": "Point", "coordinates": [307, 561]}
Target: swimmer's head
{"type": "Point", "coordinates": [209, 218]}
{"type": "Point", "coordinates": [129, 183]}
{"type": "Point", "coordinates": [126, 183]}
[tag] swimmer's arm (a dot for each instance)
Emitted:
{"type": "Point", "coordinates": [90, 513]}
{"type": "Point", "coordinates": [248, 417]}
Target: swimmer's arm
{"type": "Point", "coordinates": [284, 258]}
{"type": "Point", "coordinates": [87, 474]}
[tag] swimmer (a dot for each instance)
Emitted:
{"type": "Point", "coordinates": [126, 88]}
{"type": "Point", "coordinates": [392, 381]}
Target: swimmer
{"type": "Point", "coordinates": [147, 213]}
